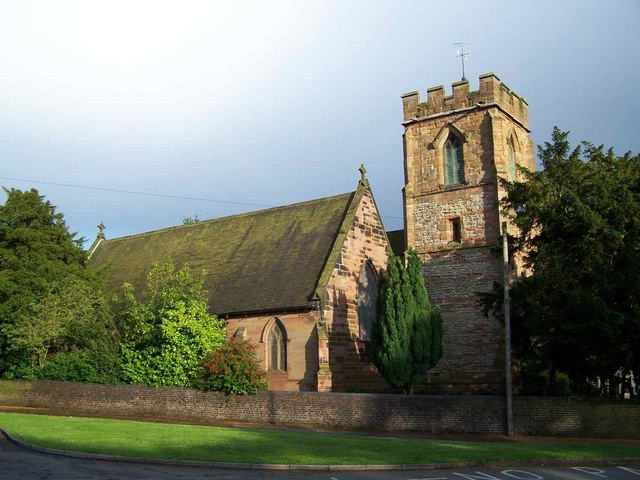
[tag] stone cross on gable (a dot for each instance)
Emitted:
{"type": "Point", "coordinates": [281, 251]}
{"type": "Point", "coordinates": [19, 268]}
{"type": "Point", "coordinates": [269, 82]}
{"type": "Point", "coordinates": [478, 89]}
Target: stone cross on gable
{"type": "Point", "coordinates": [101, 228]}
{"type": "Point", "coordinates": [363, 172]}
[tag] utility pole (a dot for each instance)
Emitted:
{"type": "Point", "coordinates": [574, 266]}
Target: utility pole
{"type": "Point", "coordinates": [507, 333]}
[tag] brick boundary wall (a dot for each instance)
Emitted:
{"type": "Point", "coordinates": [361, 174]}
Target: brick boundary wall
{"type": "Point", "coordinates": [350, 411]}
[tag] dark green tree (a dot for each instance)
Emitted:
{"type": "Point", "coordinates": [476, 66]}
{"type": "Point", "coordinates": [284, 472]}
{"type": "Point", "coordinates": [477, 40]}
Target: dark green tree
{"type": "Point", "coordinates": [406, 339]}
{"type": "Point", "coordinates": [41, 264]}
{"type": "Point", "coordinates": [578, 228]}
{"type": "Point", "coordinates": [167, 333]}
{"type": "Point", "coordinates": [426, 339]}
{"type": "Point", "coordinates": [391, 332]}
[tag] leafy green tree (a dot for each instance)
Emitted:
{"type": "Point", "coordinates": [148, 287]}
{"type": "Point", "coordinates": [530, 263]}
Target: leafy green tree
{"type": "Point", "coordinates": [170, 331]}
{"type": "Point", "coordinates": [406, 339]}
{"type": "Point", "coordinates": [578, 228]}
{"type": "Point", "coordinates": [37, 334]}
{"type": "Point", "coordinates": [40, 260]}
{"type": "Point", "coordinates": [73, 316]}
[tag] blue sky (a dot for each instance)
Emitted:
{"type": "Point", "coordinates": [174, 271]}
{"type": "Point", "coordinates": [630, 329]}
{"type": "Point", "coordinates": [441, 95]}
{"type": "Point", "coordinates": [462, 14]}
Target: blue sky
{"type": "Point", "coordinates": [269, 103]}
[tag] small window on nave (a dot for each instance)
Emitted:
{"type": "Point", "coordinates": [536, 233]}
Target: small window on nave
{"type": "Point", "coordinates": [367, 298]}
{"type": "Point", "coordinates": [277, 347]}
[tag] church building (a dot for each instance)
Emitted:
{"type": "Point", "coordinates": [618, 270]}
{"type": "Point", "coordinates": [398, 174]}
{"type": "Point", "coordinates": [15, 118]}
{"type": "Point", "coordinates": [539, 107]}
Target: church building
{"type": "Point", "coordinates": [300, 281]}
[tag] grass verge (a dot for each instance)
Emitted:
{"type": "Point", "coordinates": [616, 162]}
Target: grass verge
{"type": "Point", "coordinates": [244, 445]}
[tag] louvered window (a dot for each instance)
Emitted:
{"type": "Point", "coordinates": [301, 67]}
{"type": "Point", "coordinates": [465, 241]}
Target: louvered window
{"type": "Point", "coordinates": [453, 164]}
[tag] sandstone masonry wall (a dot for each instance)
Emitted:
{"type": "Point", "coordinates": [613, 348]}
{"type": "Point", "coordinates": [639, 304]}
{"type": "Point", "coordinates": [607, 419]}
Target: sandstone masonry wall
{"type": "Point", "coordinates": [349, 355]}
{"type": "Point", "coordinates": [302, 346]}
{"type": "Point", "coordinates": [491, 91]}
{"type": "Point", "coordinates": [484, 122]}
{"type": "Point", "coordinates": [473, 358]}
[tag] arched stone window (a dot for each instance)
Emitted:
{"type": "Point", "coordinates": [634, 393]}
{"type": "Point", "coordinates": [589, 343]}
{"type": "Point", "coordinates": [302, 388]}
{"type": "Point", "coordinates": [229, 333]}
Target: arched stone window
{"type": "Point", "coordinates": [453, 161]}
{"type": "Point", "coordinates": [367, 298]}
{"type": "Point", "coordinates": [512, 160]}
{"type": "Point", "coordinates": [277, 347]}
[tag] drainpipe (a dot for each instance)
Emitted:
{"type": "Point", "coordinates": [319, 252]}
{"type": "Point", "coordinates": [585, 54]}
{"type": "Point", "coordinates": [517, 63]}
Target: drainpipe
{"type": "Point", "coordinates": [507, 333]}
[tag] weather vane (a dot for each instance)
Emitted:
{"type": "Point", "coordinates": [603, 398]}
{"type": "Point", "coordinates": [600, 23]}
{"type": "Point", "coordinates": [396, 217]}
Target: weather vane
{"type": "Point", "coordinates": [462, 54]}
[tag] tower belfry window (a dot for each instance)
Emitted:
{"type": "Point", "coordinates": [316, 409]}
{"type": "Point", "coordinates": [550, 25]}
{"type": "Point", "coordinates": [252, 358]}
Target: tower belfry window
{"type": "Point", "coordinates": [512, 161]}
{"type": "Point", "coordinates": [453, 162]}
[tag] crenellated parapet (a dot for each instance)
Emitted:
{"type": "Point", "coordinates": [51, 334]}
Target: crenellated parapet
{"type": "Point", "coordinates": [492, 92]}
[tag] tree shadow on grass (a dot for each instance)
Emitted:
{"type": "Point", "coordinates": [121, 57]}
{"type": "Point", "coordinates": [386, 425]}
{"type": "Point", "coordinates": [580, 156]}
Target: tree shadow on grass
{"type": "Point", "coordinates": [283, 447]}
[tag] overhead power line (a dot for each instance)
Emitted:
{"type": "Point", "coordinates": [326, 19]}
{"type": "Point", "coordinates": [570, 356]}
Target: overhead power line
{"type": "Point", "coordinates": [148, 194]}
{"type": "Point", "coordinates": [132, 192]}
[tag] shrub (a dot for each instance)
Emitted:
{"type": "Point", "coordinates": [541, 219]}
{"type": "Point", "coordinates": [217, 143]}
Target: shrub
{"type": "Point", "coordinates": [72, 366]}
{"type": "Point", "coordinates": [538, 382]}
{"type": "Point", "coordinates": [560, 385]}
{"type": "Point", "coordinates": [232, 369]}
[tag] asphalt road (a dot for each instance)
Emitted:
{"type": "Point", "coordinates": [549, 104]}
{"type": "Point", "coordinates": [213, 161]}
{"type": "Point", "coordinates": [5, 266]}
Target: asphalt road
{"type": "Point", "coordinates": [24, 464]}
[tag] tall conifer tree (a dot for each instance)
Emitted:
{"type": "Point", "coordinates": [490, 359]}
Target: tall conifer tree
{"type": "Point", "coordinates": [391, 332]}
{"type": "Point", "coordinates": [421, 324]}
{"type": "Point", "coordinates": [407, 336]}
{"type": "Point", "coordinates": [37, 253]}
{"type": "Point", "coordinates": [426, 342]}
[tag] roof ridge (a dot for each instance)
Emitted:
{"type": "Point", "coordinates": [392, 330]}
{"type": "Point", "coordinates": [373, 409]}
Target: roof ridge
{"type": "Point", "coordinates": [237, 215]}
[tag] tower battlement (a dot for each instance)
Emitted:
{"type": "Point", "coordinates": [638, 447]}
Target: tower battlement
{"type": "Point", "coordinates": [492, 91]}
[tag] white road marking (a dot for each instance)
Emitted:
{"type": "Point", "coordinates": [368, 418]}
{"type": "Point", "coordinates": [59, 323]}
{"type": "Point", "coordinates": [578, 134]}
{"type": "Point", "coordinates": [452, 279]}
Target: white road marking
{"type": "Point", "coordinates": [429, 478]}
{"type": "Point", "coordinates": [480, 476]}
{"type": "Point", "coordinates": [591, 471]}
{"type": "Point", "coordinates": [527, 475]}
{"type": "Point", "coordinates": [635, 471]}
{"type": "Point", "coordinates": [523, 474]}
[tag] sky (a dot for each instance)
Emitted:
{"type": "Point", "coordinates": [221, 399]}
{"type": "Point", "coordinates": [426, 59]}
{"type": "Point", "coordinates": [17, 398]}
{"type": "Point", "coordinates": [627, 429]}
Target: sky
{"type": "Point", "coordinates": [214, 108]}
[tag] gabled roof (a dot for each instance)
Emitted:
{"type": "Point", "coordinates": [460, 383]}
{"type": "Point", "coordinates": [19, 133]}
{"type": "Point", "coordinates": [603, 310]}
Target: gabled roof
{"type": "Point", "coordinates": [268, 260]}
{"type": "Point", "coordinates": [397, 242]}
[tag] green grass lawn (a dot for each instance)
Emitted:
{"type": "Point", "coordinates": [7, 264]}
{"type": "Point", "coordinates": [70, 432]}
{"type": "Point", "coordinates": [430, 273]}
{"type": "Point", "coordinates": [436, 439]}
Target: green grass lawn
{"type": "Point", "coordinates": [191, 442]}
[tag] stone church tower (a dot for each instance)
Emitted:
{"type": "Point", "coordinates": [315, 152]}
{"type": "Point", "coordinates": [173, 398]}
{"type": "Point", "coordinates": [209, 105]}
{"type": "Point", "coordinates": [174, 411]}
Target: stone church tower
{"type": "Point", "coordinates": [456, 147]}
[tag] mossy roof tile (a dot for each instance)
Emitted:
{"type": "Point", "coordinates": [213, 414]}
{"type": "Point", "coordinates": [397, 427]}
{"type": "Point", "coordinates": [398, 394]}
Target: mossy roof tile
{"type": "Point", "coordinates": [267, 260]}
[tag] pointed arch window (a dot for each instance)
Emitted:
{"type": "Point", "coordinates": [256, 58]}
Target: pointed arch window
{"type": "Point", "coordinates": [367, 299]}
{"type": "Point", "coordinates": [512, 160]}
{"type": "Point", "coordinates": [277, 347]}
{"type": "Point", "coordinates": [453, 162]}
